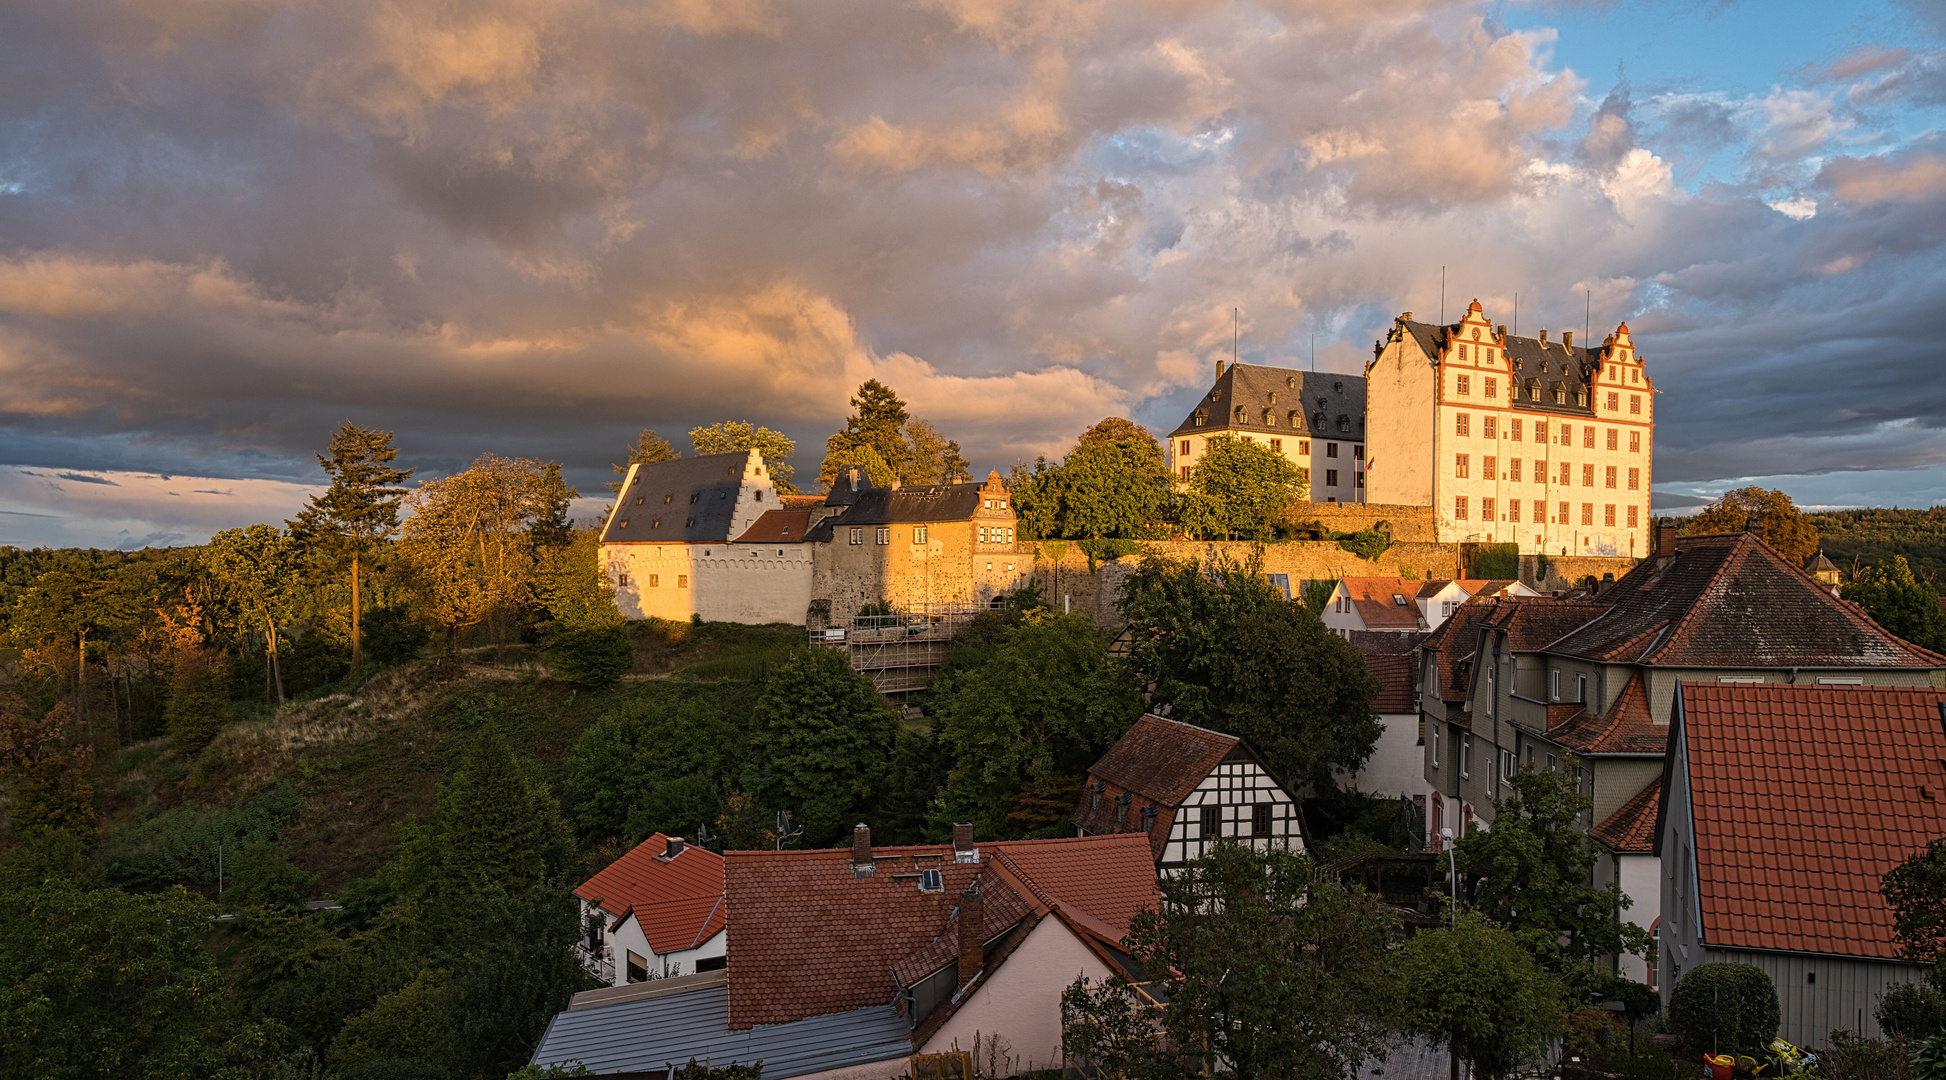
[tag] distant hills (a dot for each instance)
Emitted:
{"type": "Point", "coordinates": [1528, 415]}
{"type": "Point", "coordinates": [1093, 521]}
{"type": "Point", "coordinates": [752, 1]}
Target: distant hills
{"type": "Point", "coordinates": [1863, 537]}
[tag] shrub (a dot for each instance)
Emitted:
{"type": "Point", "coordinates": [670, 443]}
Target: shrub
{"type": "Point", "coordinates": [1108, 550]}
{"type": "Point", "coordinates": [1497, 562]}
{"type": "Point", "coordinates": [199, 701]}
{"type": "Point", "coordinates": [261, 875]}
{"type": "Point", "coordinates": [592, 657]}
{"type": "Point", "coordinates": [1912, 1011]}
{"type": "Point", "coordinates": [1367, 544]}
{"type": "Point", "coordinates": [391, 637]}
{"type": "Point", "coordinates": [1724, 1007]}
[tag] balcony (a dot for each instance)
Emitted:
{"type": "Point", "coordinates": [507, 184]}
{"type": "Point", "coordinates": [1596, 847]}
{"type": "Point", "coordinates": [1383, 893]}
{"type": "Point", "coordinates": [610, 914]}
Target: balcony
{"type": "Point", "coordinates": [598, 962]}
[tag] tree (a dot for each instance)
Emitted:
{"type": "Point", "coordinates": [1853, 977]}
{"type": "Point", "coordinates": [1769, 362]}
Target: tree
{"type": "Point", "coordinates": [465, 540]}
{"type": "Point", "coordinates": [1478, 991]}
{"type": "Point", "coordinates": [647, 449]}
{"type": "Point", "coordinates": [632, 751]}
{"type": "Point", "coordinates": [586, 638]}
{"type": "Point", "coordinates": [1043, 704]}
{"type": "Point", "coordinates": [1899, 602]}
{"type": "Point", "coordinates": [1112, 484]}
{"type": "Point", "coordinates": [497, 827]}
{"type": "Point", "coordinates": [738, 436]}
{"type": "Point", "coordinates": [1267, 969]}
{"type": "Point", "coordinates": [935, 458]}
{"type": "Point", "coordinates": [1786, 530]}
{"type": "Point", "coordinates": [1532, 873]}
{"type": "Point", "coordinates": [1239, 489]}
{"type": "Point", "coordinates": [255, 569]}
{"type": "Point", "coordinates": [552, 527]}
{"type": "Point", "coordinates": [878, 422]}
{"type": "Point", "coordinates": [824, 736]}
{"type": "Point", "coordinates": [358, 511]}
{"type": "Point", "coordinates": [1916, 891]}
{"type": "Point", "coordinates": [1222, 649]}
{"type": "Point", "coordinates": [403, 1025]}
{"type": "Point", "coordinates": [49, 752]}
{"type": "Point", "coordinates": [1724, 1006]}
{"type": "Point", "coordinates": [199, 699]}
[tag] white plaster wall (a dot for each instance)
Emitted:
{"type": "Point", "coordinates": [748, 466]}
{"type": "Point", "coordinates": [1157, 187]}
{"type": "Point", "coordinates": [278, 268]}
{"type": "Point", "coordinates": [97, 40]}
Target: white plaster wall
{"type": "Point", "coordinates": [1399, 414]}
{"type": "Point", "coordinates": [743, 583]}
{"type": "Point", "coordinates": [1641, 880]}
{"type": "Point", "coordinates": [1398, 763]}
{"type": "Point", "coordinates": [1235, 786]}
{"type": "Point", "coordinates": [889, 1069]}
{"type": "Point", "coordinates": [1021, 1001]}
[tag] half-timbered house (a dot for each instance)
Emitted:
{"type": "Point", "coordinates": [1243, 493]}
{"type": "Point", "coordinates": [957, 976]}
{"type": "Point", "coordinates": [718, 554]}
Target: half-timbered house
{"type": "Point", "coordinates": [1187, 787]}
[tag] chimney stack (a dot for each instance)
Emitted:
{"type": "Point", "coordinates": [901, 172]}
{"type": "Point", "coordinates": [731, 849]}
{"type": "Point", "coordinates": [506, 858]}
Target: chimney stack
{"type": "Point", "coordinates": [1219, 368]}
{"type": "Point", "coordinates": [1567, 339]}
{"type": "Point", "coordinates": [963, 849]}
{"type": "Point", "coordinates": [672, 848]}
{"type": "Point", "coordinates": [972, 929]}
{"type": "Point", "coordinates": [861, 850]}
{"type": "Point", "coordinates": [1754, 527]}
{"type": "Point", "coordinates": [1665, 541]}
{"type": "Point", "coordinates": [1405, 316]}
{"type": "Point", "coordinates": [1543, 335]}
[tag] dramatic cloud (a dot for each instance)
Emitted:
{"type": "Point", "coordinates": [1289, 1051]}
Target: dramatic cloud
{"type": "Point", "coordinates": [535, 226]}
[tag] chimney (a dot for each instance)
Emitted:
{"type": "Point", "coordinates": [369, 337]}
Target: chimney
{"type": "Point", "coordinates": [963, 849]}
{"type": "Point", "coordinates": [972, 928]}
{"type": "Point", "coordinates": [1543, 335]}
{"type": "Point", "coordinates": [1567, 339]}
{"type": "Point", "coordinates": [851, 478]}
{"type": "Point", "coordinates": [1405, 316]}
{"type": "Point", "coordinates": [1501, 331]}
{"type": "Point", "coordinates": [1754, 527]}
{"type": "Point", "coordinates": [672, 848]}
{"type": "Point", "coordinates": [861, 850]}
{"type": "Point", "coordinates": [1665, 541]}
{"type": "Point", "coordinates": [1219, 368]}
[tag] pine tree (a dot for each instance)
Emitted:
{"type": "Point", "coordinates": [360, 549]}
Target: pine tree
{"type": "Point", "coordinates": [499, 827]}
{"type": "Point", "coordinates": [359, 510]}
{"type": "Point", "coordinates": [647, 449]}
{"type": "Point", "coordinates": [878, 421]}
{"type": "Point", "coordinates": [1900, 602]}
{"type": "Point", "coordinates": [199, 700]}
{"type": "Point", "coordinates": [552, 527]}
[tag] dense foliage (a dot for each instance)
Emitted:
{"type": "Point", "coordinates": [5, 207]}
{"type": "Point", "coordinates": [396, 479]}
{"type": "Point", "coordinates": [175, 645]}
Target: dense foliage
{"type": "Point", "coordinates": [1785, 527]}
{"type": "Point", "coordinates": [1114, 484]}
{"type": "Point", "coordinates": [1724, 1007]}
{"type": "Point", "coordinates": [1871, 537]}
{"type": "Point", "coordinates": [1478, 991]}
{"type": "Point", "coordinates": [1896, 600]}
{"type": "Point", "coordinates": [1238, 491]}
{"type": "Point", "coordinates": [883, 441]}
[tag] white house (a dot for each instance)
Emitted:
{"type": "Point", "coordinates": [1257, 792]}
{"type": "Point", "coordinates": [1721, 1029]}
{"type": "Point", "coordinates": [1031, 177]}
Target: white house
{"type": "Point", "coordinates": [1397, 767]}
{"type": "Point", "coordinates": [656, 912]}
{"type": "Point", "coordinates": [1185, 787]}
{"type": "Point", "coordinates": [1625, 841]}
{"type": "Point", "coordinates": [1405, 604]}
{"type": "Point", "coordinates": [1783, 806]}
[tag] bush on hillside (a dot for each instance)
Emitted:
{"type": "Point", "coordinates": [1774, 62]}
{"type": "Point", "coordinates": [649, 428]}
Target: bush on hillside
{"type": "Point", "coordinates": [391, 637]}
{"type": "Point", "coordinates": [1724, 1007]}
{"type": "Point", "coordinates": [593, 657]}
{"type": "Point", "coordinates": [199, 701]}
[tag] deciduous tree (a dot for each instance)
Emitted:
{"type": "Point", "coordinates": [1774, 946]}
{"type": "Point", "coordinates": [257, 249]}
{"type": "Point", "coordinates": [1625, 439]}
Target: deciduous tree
{"type": "Point", "coordinates": [358, 511]}
{"type": "Point", "coordinates": [1223, 649]}
{"type": "Point", "coordinates": [739, 436]}
{"type": "Point", "coordinates": [647, 449]}
{"type": "Point", "coordinates": [1239, 489]}
{"type": "Point", "coordinates": [467, 540]}
{"type": "Point", "coordinates": [1898, 601]}
{"type": "Point", "coordinates": [935, 458]}
{"type": "Point", "coordinates": [824, 739]}
{"type": "Point", "coordinates": [1475, 989]}
{"type": "Point", "coordinates": [49, 753]}
{"type": "Point", "coordinates": [1113, 484]}
{"type": "Point", "coordinates": [255, 569]}
{"type": "Point", "coordinates": [1916, 891]}
{"type": "Point", "coordinates": [1785, 528]}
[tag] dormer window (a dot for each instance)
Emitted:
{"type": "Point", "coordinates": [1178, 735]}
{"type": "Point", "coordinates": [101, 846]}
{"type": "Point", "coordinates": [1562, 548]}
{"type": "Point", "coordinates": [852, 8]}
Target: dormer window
{"type": "Point", "coordinates": [1270, 418]}
{"type": "Point", "coordinates": [1242, 417]}
{"type": "Point", "coordinates": [1338, 387]}
{"type": "Point", "coordinates": [1201, 417]}
{"type": "Point", "coordinates": [1295, 419]}
{"type": "Point", "coordinates": [932, 880]}
{"type": "Point", "coordinates": [1318, 420]}
{"type": "Point", "coordinates": [1272, 396]}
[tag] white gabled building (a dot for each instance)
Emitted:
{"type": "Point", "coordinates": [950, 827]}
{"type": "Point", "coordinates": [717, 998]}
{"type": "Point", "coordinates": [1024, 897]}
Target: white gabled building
{"type": "Point", "coordinates": [654, 913]}
{"type": "Point", "coordinates": [1187, 787]}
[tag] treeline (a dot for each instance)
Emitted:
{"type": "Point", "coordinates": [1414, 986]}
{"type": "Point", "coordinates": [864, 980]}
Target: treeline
{"type": "Point", "coordinates": [1856, 538]}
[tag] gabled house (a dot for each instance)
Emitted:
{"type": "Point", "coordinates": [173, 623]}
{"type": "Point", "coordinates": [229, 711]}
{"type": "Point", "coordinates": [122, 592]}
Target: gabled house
{"type": "Point", "coordinates": [656, 912]}
{"type": "Point", "coordinates": [917, 546]}
{"type": "Point", "coordinates": [847, 962]}
{"type": "Point", "coordinates": [1774, 858]}
{"type": "Point", "coordinates": [1405, 604]}
{"type": "Point", "coordinates": [1588, 683]}
{"type": "Point", "coordinates": [1397, 767]}
{"type": "Point", "coordinates": [1183, 788]}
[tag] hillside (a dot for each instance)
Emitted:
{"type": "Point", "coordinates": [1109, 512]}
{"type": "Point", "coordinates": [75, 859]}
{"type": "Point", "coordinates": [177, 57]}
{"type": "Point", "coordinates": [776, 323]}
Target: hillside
{"type": "Point", "coordinates": [337, 776]}
{"type": "Point", "coordinates": [1863, 537]}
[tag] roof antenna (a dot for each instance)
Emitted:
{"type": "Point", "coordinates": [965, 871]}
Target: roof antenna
{"type": "Point", "coordinates": [1442, 296]}
{"type": "Point", "coordinates": [1236, 330]}
{"type": "Point", "coordinates": [1314, 345]}
{"type": "Point", "coordinates": [1516, 315]}
{"type": "Point", "coordinates": [1587, 314]}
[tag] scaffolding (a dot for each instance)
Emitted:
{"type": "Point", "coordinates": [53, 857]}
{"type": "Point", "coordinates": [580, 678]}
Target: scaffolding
{"type": "Point", "coordinates": [899, 652]}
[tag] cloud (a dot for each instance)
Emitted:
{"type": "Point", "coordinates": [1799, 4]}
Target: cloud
{"type": "Point", "coordinates": [537, 226]}
{"type": "Point", "coordinates": [86, 479]}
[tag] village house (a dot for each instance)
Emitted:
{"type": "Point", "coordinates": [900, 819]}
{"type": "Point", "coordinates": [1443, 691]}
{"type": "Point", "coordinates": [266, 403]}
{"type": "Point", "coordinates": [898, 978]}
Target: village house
{"type": "Point", "coordinates": [1544, 444]}
{"type": "Point", "coordinates": [848, 963]}
{"type": "Point", "coordinates": [1404, 604]}
{"type": "Point", "coordinates": [1588, 683]}
{"type": "Point", "coordinates": [1184, 788]}
{"type": "Point", "coordinates": [1774, 858]}
{"type": "Point", "coordinates": [656, 912]}
{"type": "Point", "coordinates": [1397, 767]}
{"type": "Point", "coordinates": [1314, 420]}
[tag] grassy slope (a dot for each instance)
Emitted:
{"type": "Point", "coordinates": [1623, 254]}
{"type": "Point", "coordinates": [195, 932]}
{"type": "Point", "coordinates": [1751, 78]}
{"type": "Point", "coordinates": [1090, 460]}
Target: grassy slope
{"type": "Point", "coordinates": [1873, 536]}
{"type": "Point", "coordinates": [366, 760]}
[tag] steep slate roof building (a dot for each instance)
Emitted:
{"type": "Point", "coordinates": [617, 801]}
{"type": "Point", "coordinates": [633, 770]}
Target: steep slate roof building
{"type": "Point", "coordinates": [1184, 787]}
{"type": "Point", "coordinates": [1546, 444]}
{"type": "Point", "coordinates": [1784, 804]}
{"type": "Point", "coordinates": [1315, 419]}
{"type": "Point", "coordinates": [846, 958]}
{"type": "Point", "coordinates": [1531, 682]}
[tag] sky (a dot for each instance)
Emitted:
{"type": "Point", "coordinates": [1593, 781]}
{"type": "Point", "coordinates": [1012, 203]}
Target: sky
{"type": "Point", "coordinates": [534, 227]}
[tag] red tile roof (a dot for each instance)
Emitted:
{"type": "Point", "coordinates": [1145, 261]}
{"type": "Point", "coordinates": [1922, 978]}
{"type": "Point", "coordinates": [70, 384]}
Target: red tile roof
{"type": "Point", "coordinates": [1162, 760]}
{"type": "Point", "coordinates": [1625, 728]}
{"type": "Point", "coordinates": [1377, 601]}
{"type": "Point", "coordinates": [777, 527]}
{"type": "Point", "coordinates": [678, 901]}
{"type": "Point", "coordinates": [1631, 828]}
{"type": "Point", "coordinates": [1535, 622]}
{"type": "Point", "coordinates": [814, 938]}
{"type": "Point", "coordinates": [800, 502]}
{"type": "Point", "coordinates": [1732, 601]}
{"type": "Point", "coordinates": [1398, 683]}
{"type": "Point", "coordinates": [1802, 797]}
{"type": "Point", "coordinates": [1451, 647]}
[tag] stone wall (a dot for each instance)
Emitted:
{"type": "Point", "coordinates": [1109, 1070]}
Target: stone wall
{"type": "Point", "coordinates": [1405, 523]}
{"type": "Point", "coordinates": [1570, 571]}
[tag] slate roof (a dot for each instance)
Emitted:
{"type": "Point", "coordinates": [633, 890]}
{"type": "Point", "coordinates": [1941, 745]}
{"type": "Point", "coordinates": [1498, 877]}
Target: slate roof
{"type": "Point", "coordinates": [1162, 760]}
{"type": "Point", "coordinates": [1625, 728]}
{"type": "Point", "coordinates": [1551, 366]}
{"type": "Point", "coordinates": [1305, 404]}
{"type": "Point", "coordinates": [678, 902]}
{"type": "Point", "coordinates": [915, 504]}
{"type": "Point", "coordinates": [665, 1030]}
{"type": "Point", "coordinates": [1378, 601]}
{"type": "Point", "coordinates": [1451, 646]}
{"type": "Point", "coordinates": [680, 501]}
{"type": "Point", "coordinates": [1370, 643]}
{"type": "Point", "coordinates": [777, 527]}
{"type": "Point", "coordinates": [814, 938]}
{"type": "Point", "coordinates": [1729, 600]}
{"type": "Point", "coordinates": [1802, 797]}
{"type": "Point", "coordinates": [1630, 830]}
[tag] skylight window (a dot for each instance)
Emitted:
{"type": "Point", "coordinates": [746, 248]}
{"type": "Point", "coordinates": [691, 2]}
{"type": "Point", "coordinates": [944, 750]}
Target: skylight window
{"type": "Point", "coordinates": [931, 880]}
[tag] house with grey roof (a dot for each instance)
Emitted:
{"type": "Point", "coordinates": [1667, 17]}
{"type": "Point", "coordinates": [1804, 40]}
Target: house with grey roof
{"type": "Point", "coordinates": [1316, 420]}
